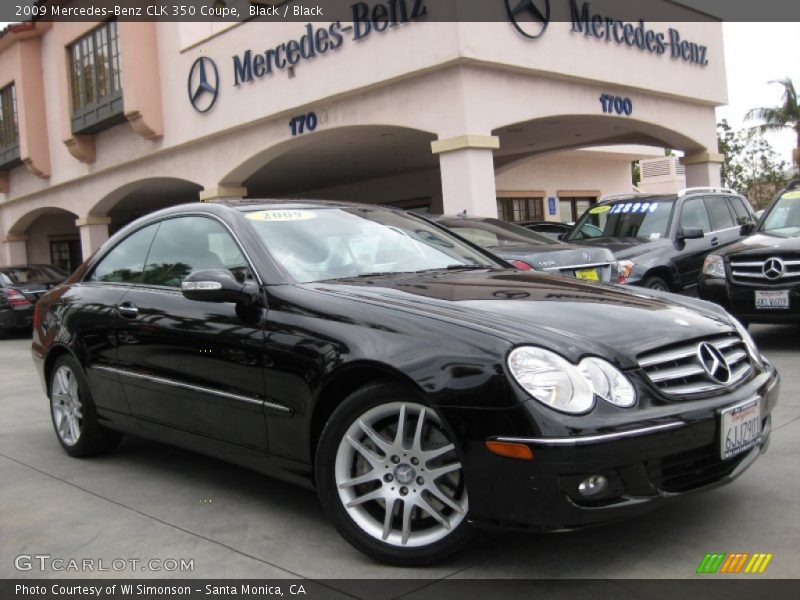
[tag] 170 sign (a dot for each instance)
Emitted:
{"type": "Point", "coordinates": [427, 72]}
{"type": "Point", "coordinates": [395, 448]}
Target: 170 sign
{"type": "Point", "coordinates": [303, 123]}
{"type": "Point", "coordinates": [616, 104]}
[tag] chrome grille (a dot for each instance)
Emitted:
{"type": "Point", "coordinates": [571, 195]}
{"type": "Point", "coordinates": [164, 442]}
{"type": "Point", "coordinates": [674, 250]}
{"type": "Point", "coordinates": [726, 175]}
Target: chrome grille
{"type": "Point", "coordinates": [679, 370]}
{"type": "Point", "coordinates": [770, 270]}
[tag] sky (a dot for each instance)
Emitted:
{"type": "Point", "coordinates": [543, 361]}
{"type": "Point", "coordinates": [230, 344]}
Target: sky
{"type": "Point", "coordinates": [756, 53]}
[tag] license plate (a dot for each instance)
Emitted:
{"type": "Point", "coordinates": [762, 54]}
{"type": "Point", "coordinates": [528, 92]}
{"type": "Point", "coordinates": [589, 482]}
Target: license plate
{"type": "Point", "coordinates": [589, 274]}
{"type": "Point", "coordinates": [772, 299]}
{"type": "Point", "coordinates": [740, 428]}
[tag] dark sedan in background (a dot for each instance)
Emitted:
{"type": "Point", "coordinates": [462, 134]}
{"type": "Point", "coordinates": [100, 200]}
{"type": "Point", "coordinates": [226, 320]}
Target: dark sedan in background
{"type": "Point", "coordinates": [758, 278]}
{"type": "Point", "coordinates": [20, 288]}
{"type": "Point", "coordinates": [552, 229]}
{"type": "Point", "coordinates": [418, 383]}
{"type": "Point", "coordinates": [529, 250]}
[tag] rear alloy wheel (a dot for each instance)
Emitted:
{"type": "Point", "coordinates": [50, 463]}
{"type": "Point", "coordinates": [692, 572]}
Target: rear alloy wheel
{"type": "Point", "coordinates": [390, 478]}
{"type": "Point", "coordinates": [74, 414]}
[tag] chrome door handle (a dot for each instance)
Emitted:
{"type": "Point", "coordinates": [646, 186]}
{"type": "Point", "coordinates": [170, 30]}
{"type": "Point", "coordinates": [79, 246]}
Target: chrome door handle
{"type": "Point", "coordinates": [128, 310]}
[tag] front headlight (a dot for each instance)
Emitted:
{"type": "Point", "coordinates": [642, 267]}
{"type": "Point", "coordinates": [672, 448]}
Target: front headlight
{"type": "Point", "coordinates": [608, 382]}
{"type": "Point", "coordinates": [713, 266]}
{"type": "Point", "coordinates": [752, 349]}
{"type": "Point", "coordinates": [557, 383]}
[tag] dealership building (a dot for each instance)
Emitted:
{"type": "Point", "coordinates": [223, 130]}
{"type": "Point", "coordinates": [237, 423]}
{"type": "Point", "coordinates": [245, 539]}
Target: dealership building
{"type": "Point", "coordinates": [102, 122]}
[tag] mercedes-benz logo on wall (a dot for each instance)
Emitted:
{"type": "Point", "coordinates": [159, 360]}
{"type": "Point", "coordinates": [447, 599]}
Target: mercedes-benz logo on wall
{"type": "Point", "coordinates": [203, 84]}
{"type": "Point", "coordinates": [529, 17]}
{"type": "Point", "coordinates": [773, 268]}
{"type": "Point", "coordinates": [713, 363]}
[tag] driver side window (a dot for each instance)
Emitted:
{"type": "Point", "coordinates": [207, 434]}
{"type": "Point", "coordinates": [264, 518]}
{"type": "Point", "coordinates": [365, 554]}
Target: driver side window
{"type": "Point", "coordinates": [187, 244]}
{"type": "Point", "coordinates": [695, 216]}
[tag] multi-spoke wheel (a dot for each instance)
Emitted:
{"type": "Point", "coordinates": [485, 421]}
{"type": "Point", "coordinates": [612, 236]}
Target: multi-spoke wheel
{"type": "Point", "coordinates": [390, 476]}
{"type": "Point", "coordinates": [66, 405]}
{"type": "Point", "coordinates": [73, 411]}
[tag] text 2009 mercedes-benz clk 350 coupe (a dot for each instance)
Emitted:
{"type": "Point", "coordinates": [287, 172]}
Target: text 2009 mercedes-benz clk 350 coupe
{"type": "Point", "coordinates": [418, 383]}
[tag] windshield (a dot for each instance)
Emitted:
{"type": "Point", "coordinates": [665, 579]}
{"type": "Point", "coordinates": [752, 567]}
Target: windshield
{"type": "Point", "coordinates": [34, 274]}
{"type": "Point", "coordinates": [495, 234]}
{"type": "Point", "coordinates": [631, 218]}
{"type": "Point", "coordinates": [784, 216]}
{"type": "Point", "coordinates": [316, 244]}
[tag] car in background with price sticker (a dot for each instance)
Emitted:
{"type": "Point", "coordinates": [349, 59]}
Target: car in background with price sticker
{"type": "Point", "coordinates": [529, 250]}
{"type": "Point", "coordinates": [662, 240]}
{"type": "Point", "coordinates": [758, 278]}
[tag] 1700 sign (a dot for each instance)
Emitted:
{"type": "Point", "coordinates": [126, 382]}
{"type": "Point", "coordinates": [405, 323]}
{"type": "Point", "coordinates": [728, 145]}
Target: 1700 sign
{"type": "Point", "coordinates": [303, 123]}
{"type": "Point", "coordinates": [616, 104]}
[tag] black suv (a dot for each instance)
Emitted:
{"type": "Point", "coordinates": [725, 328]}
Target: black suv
{"type": "Point", "coordinates": [662, 240]}
{"type": "Point", "coordinates": [758, 278]}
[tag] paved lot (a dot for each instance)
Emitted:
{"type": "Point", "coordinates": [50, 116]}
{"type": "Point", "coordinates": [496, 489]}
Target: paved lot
{"type": "Point", "coordinates": [151, 501]}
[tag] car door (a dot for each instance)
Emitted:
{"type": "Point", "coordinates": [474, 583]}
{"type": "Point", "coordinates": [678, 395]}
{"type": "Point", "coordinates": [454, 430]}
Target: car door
{"type": "Point", "coordinates": [724, 229]}
{"type": "Point", "coordinates": [692, 253]}
{"type": "Point", "coordinates": [191, 365]}
{"type": "Point", "coordinates": [93, 319]}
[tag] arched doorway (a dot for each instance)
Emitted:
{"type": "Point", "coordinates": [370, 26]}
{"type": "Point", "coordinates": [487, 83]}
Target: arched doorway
{"type": "Point", "coordinates": [46, 235]}
{"type": "Point", "coordinates": [369, 163]}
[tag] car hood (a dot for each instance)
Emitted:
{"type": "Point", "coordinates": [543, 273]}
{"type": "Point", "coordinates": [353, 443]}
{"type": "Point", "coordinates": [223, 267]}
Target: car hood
{"type": "Point", "coordinates": [568, 315]}
{"type": "Point", "coordinates": [761, 244]}
{"type": "Point", "coordinates": [555, 255]}
{"type": "Point", "coordinates": [626, 247]}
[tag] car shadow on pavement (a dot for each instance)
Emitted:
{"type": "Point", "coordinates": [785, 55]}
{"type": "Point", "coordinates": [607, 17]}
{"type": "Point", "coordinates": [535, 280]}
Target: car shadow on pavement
{"type": "Point", "coordinates": [776, 337]}
{"type": "Point", "coordinates": [285, 512]}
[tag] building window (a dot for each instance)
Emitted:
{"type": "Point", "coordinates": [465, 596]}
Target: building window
{"type": "Point", "coordinates": [571, 208]}
{"type": "Point", "coordinates": [9, 128]}
{"type": "Point", "coordinates": [95, 80]}
{"type": "Point", "coordinates": [65, 254]}
{"type": "Point", "coordinates": [520, 209]}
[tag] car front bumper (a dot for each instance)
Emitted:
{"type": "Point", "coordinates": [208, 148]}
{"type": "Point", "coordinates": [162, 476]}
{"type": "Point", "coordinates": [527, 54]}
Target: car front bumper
{"type": "Point", "coordinates": [739, 300]}
{"type": "Point", "coordinates": [646, 466]}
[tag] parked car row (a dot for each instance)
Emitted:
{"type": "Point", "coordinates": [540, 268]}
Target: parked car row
{"type": "Point", "coordinates": [421, 386]}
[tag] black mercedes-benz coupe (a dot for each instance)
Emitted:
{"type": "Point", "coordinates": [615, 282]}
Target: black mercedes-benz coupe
{"type": "Point", "coordinates": [416, 382]}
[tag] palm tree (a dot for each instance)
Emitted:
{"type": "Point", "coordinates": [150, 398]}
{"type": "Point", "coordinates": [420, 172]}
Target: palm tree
{"type": "Point", "coordinates": [787, 115]}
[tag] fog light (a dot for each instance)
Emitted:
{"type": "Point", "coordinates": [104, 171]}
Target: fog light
{"type": "Point", "coordinates": [593, 486]}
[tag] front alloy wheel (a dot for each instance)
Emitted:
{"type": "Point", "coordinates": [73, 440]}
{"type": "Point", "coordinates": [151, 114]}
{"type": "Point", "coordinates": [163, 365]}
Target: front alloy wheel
{"type": "Point", "coordinates": [399, 492]}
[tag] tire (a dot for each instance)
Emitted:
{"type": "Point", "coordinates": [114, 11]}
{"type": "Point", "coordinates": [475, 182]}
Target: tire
{"type": "Point", "coordinates": [654, 282]}
{"type": "Point", "coordinates": [74, 414]}
{"type": "Point", "coordinates": [420, 475]}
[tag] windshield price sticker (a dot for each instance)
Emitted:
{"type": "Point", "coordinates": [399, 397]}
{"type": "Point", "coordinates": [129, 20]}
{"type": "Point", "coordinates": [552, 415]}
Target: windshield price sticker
{"type": "Point", "coordinates": [281, 215]}
{"type": "Point", "coordinates": [599, 210]}
{"type": "Point", "coordinates": [791, 195]}
{"type": "Point", "coordinates": [635, 207]}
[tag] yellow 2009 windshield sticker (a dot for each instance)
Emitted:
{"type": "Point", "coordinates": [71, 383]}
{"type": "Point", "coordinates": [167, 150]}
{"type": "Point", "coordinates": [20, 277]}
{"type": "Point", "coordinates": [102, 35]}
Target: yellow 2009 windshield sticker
{"type": "Point", "coordinates": [287, 214]}
{"type": "Point", "coordinates": [598, 210]}
{"type": "Point", "coordinates": [791, 195]}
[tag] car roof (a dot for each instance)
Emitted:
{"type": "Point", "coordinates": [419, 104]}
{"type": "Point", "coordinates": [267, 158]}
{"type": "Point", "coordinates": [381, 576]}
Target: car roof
{"type": "Point", "coordinates": [249, 204]}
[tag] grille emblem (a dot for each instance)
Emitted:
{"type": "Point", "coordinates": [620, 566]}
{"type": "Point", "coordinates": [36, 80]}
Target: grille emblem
{"type": "Point", "coordinates": [713, 363]}
{"type": "Point", "coordinates": [773, 268]}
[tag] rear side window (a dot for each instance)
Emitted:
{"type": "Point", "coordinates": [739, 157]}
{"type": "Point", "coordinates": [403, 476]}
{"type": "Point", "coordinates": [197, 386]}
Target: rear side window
{"type": "Point", "coordinates": [743, 216]}
{"type": "Point", "coordinates": [721, 216]}
{"type": "Point", "coordinates": [125, 263]}
{"type": "Point", "coordinates": [694, 215]}
{"type": "Point", "coordinates": [187, 244]}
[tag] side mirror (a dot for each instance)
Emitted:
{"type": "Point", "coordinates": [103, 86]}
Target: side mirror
{"type": "Point", "coordinates": [218, 285]}
{"type": "Point", "coordinates": [690, 233]}
{"type": "Point", "coordinates": [747, 229]}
